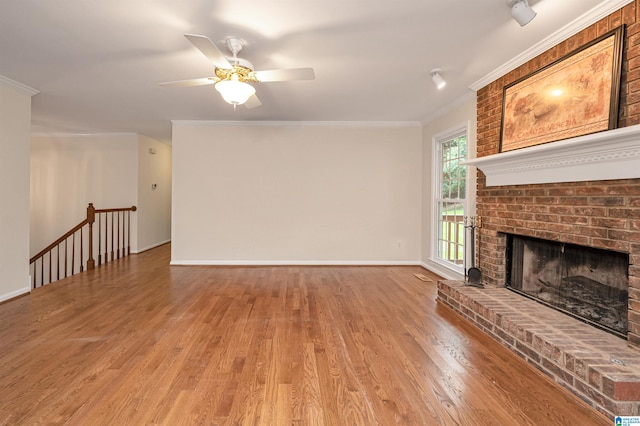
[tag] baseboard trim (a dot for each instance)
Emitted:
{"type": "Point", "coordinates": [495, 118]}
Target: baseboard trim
{"type": "Point", "coordinates": [16, 293]}
{"type": "Point", "coordinates": [151, 247]}
{"type": "Point", "coordinates": [446, 273]}
{"type": "Point", "coordinates": [295, 262]}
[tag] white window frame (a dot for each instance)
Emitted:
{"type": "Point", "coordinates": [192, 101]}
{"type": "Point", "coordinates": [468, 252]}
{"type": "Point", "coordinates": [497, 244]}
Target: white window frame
{"type": "Point", "coordinates": [437, 140]}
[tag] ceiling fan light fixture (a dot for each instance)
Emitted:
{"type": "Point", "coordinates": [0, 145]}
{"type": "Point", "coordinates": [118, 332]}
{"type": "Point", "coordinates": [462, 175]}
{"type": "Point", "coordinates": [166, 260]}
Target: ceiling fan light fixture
{"type": "Point", "coordinates": [233, 75]}
{"type": "Point", "coordinates": [521, 11]}
{"type": "Point", "coordinates": [437, 79]}
{"type": "Point", "coordinates": [234, 91]}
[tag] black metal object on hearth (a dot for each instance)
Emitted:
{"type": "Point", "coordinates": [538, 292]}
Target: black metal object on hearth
{"type": "Point", "coordinates": [473, 275]}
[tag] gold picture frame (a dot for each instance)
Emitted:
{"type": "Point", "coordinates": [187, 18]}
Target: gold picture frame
{"type": "Point", "coordinates": [573, 96]}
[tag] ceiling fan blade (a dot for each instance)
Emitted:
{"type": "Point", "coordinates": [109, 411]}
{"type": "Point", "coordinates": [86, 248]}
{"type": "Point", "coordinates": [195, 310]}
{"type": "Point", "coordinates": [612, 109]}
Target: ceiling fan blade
{"type": "Point", "coordinates": [210, 50]}
{"type": "Point", "coordinates": [189, 83]}
{"type": "Point", "coordinates": [285, 75]}
{"type": "Point", "coordinates": [253, 102]}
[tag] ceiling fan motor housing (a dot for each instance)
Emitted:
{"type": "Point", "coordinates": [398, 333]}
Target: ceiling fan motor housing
{"type": "Point", "coordinates": [244, 73]}
{"type": "Point", "coordinates": [241, 67]}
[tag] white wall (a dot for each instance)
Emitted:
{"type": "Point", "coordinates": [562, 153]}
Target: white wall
{"type": "Point", "coordinates": [464, 113]}
{"type": "Point", "coordinates": [69, 172]}
{"type": "Point", "coordinates": [15, 129]}
{"type": "Point", "coordinates": [296, 193]}
{"type": "Point", "coordinates": [154, 205]}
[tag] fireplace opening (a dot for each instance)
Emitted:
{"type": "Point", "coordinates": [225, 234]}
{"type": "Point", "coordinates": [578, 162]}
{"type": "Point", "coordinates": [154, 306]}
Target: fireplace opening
{"type": "Point", "coordinates": [587, 283]}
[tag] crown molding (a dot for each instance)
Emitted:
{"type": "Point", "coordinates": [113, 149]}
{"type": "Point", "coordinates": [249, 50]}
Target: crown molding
{"type": "Point", "coordinates": [44, 134]}
{"type": "Point", "coordinates": [612, 154]}
{"type": "Point", "coordinates": [344, 124]}
{"type": "Point", "coordinates": [22, 88]}
{"type": "Point", "coordinates": [574, 27]}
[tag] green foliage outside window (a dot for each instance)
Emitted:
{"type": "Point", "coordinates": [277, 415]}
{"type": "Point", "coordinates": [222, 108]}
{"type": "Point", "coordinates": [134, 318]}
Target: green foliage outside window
{"type": "Point", "coordinates": [454, 174]}
{"type": "Point", "coordinates": [451, 199]}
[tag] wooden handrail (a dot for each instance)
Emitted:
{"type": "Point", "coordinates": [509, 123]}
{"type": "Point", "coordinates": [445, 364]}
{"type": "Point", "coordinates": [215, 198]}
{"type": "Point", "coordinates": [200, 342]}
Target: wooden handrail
{"type": "Point", "coordinates": [58, 241]}
{"type": "Point", "coordinates": [123, 209]}
{"type": "Point", "coordinates": [92, 212]}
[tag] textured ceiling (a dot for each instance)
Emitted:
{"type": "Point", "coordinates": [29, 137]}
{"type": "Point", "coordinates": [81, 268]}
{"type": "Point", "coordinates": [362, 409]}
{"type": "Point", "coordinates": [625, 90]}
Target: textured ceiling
{"type": "Point", "coordinates": [97, 65]}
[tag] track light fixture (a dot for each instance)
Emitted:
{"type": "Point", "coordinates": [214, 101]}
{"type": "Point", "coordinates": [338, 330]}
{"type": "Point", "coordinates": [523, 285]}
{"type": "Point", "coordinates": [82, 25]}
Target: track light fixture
{"type": "Point", "coordinates": [521, 11]}
{"type": "Point", "coordinates": [437, 79]}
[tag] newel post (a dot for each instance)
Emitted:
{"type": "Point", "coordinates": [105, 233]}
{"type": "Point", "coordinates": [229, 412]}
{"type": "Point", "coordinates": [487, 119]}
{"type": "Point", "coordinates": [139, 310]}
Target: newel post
{"type": "Point", "coordinates": [91, 217]}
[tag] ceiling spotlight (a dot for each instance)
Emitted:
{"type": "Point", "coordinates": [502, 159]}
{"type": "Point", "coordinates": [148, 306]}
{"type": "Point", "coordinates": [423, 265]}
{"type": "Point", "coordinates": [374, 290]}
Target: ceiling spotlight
{"type": "Point", "coordinates": [437, 78]}
{"type": "Point", "coordinates": [521, 11]}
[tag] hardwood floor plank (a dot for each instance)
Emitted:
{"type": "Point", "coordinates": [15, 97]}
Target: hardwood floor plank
{"type": "Point", "coordinates": [140, 342]}
{"type": "Point", "coordinates": [311, 400]}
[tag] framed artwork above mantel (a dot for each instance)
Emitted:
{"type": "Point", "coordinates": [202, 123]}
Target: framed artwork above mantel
{"type": "Point", "coordinates": [573, 96]}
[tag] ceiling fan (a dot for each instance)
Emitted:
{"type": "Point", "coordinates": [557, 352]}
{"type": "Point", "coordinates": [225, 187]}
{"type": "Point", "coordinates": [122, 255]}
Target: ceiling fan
{"type": "Point", "coordinates": [233, 74]}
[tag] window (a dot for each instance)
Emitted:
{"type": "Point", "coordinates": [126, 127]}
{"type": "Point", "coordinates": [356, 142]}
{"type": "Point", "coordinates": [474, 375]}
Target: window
{"type": "Point", "coordinates": [450, 197]}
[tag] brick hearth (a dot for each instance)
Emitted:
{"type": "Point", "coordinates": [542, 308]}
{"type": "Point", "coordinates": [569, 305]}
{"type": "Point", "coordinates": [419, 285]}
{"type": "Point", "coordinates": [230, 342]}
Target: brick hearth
{"type": "Point", "coordinates": [596, 366]}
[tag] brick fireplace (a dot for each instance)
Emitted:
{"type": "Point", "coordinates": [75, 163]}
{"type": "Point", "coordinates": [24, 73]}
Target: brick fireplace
{"type": "Point", "coordinates": [603, 213]}
{"type": "Point", "coordinates": [596, 209]}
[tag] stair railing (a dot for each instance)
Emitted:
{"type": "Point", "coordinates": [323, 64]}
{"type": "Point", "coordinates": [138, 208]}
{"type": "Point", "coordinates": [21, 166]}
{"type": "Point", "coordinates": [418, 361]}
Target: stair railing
{"type": "Point", "coordinates": [60, 259]}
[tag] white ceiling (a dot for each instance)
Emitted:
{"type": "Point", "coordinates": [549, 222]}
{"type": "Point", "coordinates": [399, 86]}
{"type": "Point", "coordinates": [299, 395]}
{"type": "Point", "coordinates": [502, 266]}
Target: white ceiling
{"type": "Point", "coordinates": [97, 64]}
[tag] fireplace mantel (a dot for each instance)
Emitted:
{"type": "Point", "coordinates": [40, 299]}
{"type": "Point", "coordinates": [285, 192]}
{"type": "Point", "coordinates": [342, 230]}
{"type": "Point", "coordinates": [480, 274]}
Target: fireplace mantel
{"type": "Point", "coordinates": [613, 154]}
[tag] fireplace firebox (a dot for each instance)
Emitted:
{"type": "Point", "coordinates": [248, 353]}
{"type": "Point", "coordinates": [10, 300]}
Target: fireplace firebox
{"type": "Point", "coordinates": [584, 282]}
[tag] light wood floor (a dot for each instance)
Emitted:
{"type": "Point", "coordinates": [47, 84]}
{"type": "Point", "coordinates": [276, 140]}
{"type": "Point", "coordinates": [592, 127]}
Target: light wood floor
{"type": "Point", "coordinates": [138, 342]}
